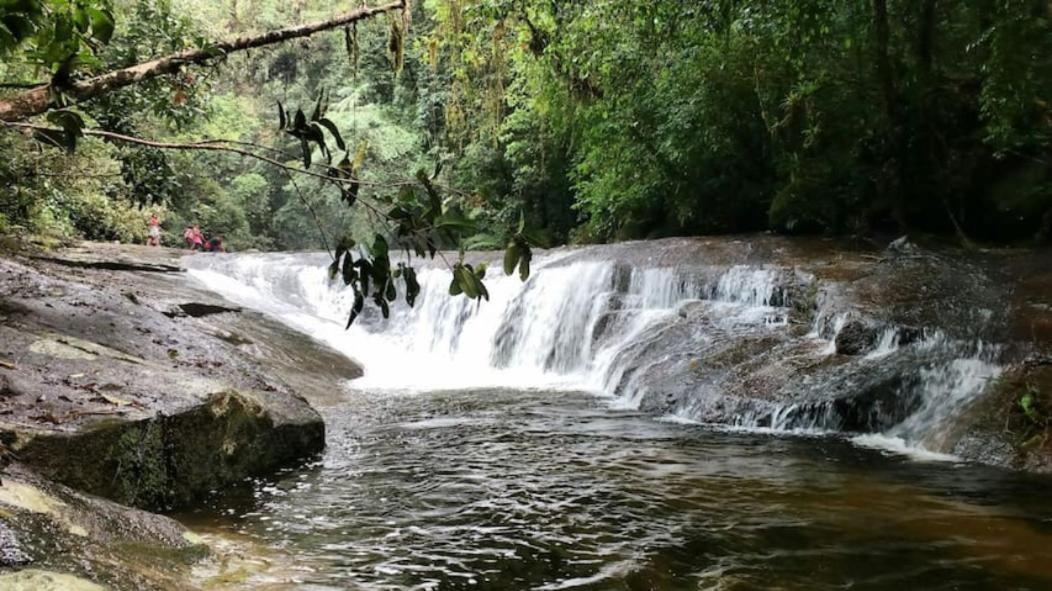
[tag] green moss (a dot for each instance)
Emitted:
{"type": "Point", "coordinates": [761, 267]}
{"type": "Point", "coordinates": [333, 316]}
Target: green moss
{"type": "Point", "coordinates": [804, 303]}
{"type": "Point", "coordinates": [141, 478]}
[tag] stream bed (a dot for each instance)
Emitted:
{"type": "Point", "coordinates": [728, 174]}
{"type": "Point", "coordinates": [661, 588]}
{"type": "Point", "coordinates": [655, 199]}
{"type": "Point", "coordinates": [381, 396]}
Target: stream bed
{"type": "Point", "coordinates": [513, 489]}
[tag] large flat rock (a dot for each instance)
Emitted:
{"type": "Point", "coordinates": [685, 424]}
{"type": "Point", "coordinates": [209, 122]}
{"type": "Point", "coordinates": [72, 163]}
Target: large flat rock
{"type": "Point", "coordinates": [121, 378]}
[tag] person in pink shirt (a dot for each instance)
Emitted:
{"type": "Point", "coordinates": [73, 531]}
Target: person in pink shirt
{"type": "Point", "coordinates": [194, 239]}
{"type": "Point", "coordinates": [155, 231]}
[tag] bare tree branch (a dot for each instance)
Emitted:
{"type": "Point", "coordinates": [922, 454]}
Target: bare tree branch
{"type": "Point", "coordinates": [34, 102]}
{"type": "Point", "coordinates": [223, 145]}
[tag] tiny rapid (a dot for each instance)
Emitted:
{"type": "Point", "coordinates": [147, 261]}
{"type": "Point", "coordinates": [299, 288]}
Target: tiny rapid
{"type": "Point", "coordinates": [663, 415]}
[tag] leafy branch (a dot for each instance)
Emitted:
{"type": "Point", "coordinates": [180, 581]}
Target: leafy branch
{"type": "Point", "coordinates": [419, 222]}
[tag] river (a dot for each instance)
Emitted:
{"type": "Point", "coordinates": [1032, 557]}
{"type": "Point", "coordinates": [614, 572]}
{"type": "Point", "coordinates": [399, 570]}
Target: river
{"type": "Point", "coordinates": [470, 459]}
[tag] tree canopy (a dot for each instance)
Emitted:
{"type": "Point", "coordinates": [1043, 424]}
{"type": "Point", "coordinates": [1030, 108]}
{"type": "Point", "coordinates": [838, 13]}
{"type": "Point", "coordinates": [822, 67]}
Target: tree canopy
{"type": "Point", "coordinates": [585, 121]}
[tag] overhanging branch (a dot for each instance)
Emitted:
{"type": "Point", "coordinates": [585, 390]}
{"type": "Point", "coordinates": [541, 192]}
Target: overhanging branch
{"type": "Point", "coordinates": [36, 101]}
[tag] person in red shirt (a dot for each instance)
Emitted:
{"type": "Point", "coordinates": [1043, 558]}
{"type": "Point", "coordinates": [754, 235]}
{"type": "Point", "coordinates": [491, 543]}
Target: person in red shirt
{"type": "Point", "coordinates": [194, 239]}
{"type": "Point", "coordinates": [155, 231]}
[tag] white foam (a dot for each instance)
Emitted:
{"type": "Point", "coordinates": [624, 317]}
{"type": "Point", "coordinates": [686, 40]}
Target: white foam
{"type": "Point", "coordinates": [898, 445]}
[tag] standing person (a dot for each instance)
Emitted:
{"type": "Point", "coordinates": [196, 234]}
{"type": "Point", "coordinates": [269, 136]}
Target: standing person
{"type": "Point", "coordinates": [155, 231]}
{"type": "Point", "coordinates": [198, 239]}
{"type": "Point", "coordinates": [193, 237]}
{"type": "Point", "coordinates": [188, 237]}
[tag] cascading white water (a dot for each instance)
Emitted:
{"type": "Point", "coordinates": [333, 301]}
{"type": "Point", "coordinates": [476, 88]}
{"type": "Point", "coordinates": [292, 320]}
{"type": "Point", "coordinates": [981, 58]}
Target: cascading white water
{"type": "Point", "coordinates": [588, 325]}
{"type": "Point", "coordinates": [541, 333]}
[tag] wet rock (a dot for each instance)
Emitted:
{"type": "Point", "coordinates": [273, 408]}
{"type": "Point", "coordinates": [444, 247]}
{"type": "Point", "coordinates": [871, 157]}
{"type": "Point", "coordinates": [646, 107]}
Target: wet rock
{"type": "Point", "coordinates": [69, 540]}
{"type": "Point", "coordinates": [1012, 425]}
{"type": "Point", "coordinates": [11, 552]}
{"type": "Point", "coordinates": [621, 279]}
{"type": "Point", "coordinates": [856, 338]}
{"type": "Point", "coordinates": [902, 246]}
{"type": "Point", "coordinates": [99, 402]}
{"type": "Point", "coordinates": [199, 310]}
{"type": "Point", "coordinates": [171, 461]}
{"type": "Point", "coordinates": [105, 265]}
{"type": "Point", "coordinates": [609, 319]}
{"type": "Point", "coordinates": [907, 335]}
{"type": "Point", "coordinates": [41, 580]}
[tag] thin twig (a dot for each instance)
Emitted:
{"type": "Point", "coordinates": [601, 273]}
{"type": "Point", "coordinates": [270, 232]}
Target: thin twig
{"type": "Point", "coordinates": [313, 214]}
{"type": "Point", "coordinates": [230, 146]}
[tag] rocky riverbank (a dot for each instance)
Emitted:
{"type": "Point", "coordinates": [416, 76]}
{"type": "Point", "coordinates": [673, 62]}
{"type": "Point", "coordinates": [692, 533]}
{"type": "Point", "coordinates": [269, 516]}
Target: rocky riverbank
{"type": "Point", "coordinates": [890, 315]}
{"type": "Point", "coordinates": [122, 380]}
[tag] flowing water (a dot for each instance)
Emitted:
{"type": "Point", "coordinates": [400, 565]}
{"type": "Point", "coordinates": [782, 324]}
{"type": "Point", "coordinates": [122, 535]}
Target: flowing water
{"type": "Point", "coordinates": [534, 442]}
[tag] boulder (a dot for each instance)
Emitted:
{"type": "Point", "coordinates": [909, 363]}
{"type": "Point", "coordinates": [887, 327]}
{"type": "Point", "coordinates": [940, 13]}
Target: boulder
{"type": "Point", "coordinates": [105, 390]}
{"type": "Point", "coordinates": [856, 338]}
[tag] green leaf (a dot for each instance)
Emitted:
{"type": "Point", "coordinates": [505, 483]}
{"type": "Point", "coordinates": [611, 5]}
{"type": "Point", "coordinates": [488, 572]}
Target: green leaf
{"type": "Point", "coordinates": [335, 133]}
{"type": "Point", "coordinates": [391, 292]}
{"type": "Point", "coordinates": [346, 244]}
{"type": "Point", "coordinates": [511, 258]}
{"type": "Point", "coordinates": [365, 272]}
{"type": "Point", "coordinates": [282, 119]}
{"type": "Point", "coordinates": [349, 274]}
{"type": "Point", "coordinates": [315, 134]}
{"type": "Point", "coordinates": [305, 147]}
{"type": "Point", "coordinates": [455, 288]}
{"type": "Point", "coordinates": [524, 264]}
{"type": "Point", "coordinates": [412, 286]}
{"type": "Point", "coordinates": [300, 123]}
{"type": "Point", "coordinates": [101, 24]}
{"type": "Point", "coordinates": [356, 309]}
{"type": "Point", "coordinates": [1029, 405]}
{"type": "Point", "coordinates": [81, 19]}
{"type": "Point", "coordinates": [345, 167]}
{"type": "Point", "coordinates": [467, 281]}
{"type": "Point", "coordinates": [380, 247]}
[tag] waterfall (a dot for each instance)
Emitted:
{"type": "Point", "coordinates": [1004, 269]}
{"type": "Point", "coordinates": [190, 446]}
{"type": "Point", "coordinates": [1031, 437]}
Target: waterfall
{"type": "Point", "coordinates": [709, 343]}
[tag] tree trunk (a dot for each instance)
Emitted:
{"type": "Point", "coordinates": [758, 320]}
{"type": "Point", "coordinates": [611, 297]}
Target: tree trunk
{"type": "Point", "coordinates": [891, 176]}
{"type": "Point", "coordinates": [36, 101]}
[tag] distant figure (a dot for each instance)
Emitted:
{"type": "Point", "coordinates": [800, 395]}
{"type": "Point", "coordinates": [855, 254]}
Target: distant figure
{"type": "Point", "coordinates": [155, 231]}
{"type": "Point", "coordinates": [194, 239]}
{"type": "Point", "coordinates": [215, 244]}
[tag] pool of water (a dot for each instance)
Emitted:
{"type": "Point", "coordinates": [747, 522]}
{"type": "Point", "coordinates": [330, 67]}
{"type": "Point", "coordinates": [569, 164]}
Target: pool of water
{"type": "Point", "coordinates": [506, 489]}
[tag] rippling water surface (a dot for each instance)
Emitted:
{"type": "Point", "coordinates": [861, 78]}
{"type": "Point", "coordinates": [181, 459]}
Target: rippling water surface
{"type": "Point", "coordinates": [502, 489]}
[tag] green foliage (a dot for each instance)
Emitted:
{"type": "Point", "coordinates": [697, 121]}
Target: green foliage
{"type": "Point", "coordinates": [675, 117]}
{"type": "Point", "coordinates": [541, 122]}
{"type": "Point", "coordinates": [1029, 403]}
{"type": "Point", "coordinates": [56, 35]}
{"type": "Point", "coordinates": [98, 217]}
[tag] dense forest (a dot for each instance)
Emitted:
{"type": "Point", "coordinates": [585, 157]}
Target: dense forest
{"type": "Point", "coordinates": [594, 121]}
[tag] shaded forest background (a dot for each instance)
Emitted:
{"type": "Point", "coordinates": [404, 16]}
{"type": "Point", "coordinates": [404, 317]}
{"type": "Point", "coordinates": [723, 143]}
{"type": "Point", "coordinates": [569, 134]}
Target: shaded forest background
{"type": "Point", "coordinates": [597, 120]}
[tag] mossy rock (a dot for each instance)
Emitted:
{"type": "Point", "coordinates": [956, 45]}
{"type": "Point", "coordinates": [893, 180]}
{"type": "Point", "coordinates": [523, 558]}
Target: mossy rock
{"type": "Point", "coordinates": [63, 539]}
{"type": "Point", "coordinates": [169, 462]}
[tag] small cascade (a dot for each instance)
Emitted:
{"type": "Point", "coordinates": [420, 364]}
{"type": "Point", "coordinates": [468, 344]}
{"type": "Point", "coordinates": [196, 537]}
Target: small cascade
{"type": "Point", "coordinates": [729, 344]}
